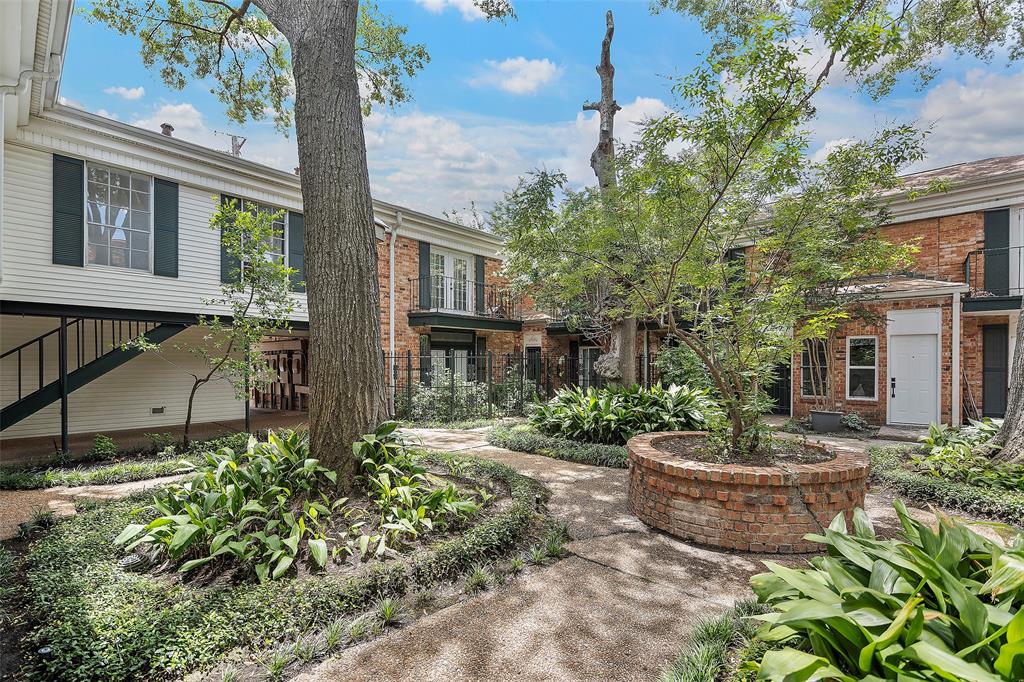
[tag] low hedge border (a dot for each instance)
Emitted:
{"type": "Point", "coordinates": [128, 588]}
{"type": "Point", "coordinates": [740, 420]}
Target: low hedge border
{"type": "Point", "coordinates": [887, 470]}
{"type": "Point", "coordinates": [32, 478]}
{"type": "Point", "coordinates": [103, 623]}
{"type": "Point", "coordinates": [525, 438]}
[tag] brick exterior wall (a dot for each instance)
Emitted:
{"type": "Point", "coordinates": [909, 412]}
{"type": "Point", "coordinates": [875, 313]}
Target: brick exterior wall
{"type": "Point", "coordinates": [944, 244]}
{"type": "Point", "coordinates": [745, 508]}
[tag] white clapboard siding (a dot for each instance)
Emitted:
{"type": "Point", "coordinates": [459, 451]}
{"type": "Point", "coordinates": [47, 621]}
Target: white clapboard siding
{"type": "Point", "coordinates": [29, 275]}
{"type": "Point", "coordinates": [120, 399]}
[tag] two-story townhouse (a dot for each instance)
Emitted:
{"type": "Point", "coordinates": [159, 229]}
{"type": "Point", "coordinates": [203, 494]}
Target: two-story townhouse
{"type": "Point", "coordinates": [936, 345]}
{"type": "Point", "coordinates": [105, 236]}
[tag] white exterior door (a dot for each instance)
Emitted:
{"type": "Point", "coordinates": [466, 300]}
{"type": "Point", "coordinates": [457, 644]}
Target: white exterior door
{"type": "Point", "coordinates": [913, 379]}
{"type": "Point", "coordinates": [449, 281]}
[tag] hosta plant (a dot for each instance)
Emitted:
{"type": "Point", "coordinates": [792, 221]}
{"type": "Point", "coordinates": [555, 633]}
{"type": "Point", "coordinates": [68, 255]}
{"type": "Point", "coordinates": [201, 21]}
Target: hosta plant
{"type": "Point", "coordinates": [263, 507]}
{"type": "Point", "coordinates": [964, 454]}
{"type": "Point", "coordinates": [942, 604]}
{"type": "Point", "coordinates": [614, 415]}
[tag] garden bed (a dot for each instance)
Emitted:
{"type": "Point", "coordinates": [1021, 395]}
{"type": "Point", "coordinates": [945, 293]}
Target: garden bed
{"type": "Point", "coordinates": [739, 507]}
{"type": "Point", "coordinates": [101, 621]}
{"type": "Point", "coordinates": [525, 438]}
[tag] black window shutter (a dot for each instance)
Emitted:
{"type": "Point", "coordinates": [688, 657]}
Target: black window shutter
{"type": "Point", "coordinates": [230, 268]}
{"type": "Point", "coordinates": [165, 228]}
{"type": "Point", "coordinates": [297, 249]}
{"type": "Point", "coordinates": [480, 307]}
{"type": "Point", "coordinates": [68, 211]}
{"type": "Point", "coordinates": [997, 252]}
{"type": "Point", "coordinates": [424, 275]}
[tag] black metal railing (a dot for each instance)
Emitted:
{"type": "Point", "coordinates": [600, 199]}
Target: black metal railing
{"type": "Point", "coordinates": [463, 296]}
{"type": "Point", "coordinates": [454, 385]}
{"type": "Point", "coordinates": [88, 340]}
{"type": "Point", "coordinates": [995, 272]}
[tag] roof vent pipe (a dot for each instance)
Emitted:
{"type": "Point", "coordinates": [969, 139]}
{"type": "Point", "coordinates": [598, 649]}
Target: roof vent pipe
{"type": "Point", "coordinates": [167, 129]}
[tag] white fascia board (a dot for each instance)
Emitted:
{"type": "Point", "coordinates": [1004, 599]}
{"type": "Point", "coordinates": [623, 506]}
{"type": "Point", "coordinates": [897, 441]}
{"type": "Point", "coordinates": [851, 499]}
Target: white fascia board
{"type": "Point", "coordinates": [78, 132]}
{"type": "Point", "coordinates": [937, 292]}
{"type": "Point", "coordinates": [982, 194]}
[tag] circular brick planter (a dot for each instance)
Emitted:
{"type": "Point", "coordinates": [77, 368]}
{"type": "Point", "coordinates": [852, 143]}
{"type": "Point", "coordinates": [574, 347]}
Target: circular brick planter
{"type": "Point", "coordinates": [746, 508]}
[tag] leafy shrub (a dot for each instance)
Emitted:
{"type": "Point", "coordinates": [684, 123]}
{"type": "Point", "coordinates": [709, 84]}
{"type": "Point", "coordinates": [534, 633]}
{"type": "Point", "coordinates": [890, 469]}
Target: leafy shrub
{"type": "Point", "coordinates": [103, 447]}
{"type": "Point", "coordinates": [261, 507]}
{"type": "Point", "coordinates": [158, 442]}
{"type": "Point", "coordinates": [854, 422]}
{"type": "Point", "coordinates": [963, 454]}
{"type": "Point", "coordinates": [888, 467]}
{"type": "Point", "coordinates": [399, 488]}
{"type": "Point", "coordinates": [448, 399]}
{"type": "Point", "coordinates": [935, 605]}
{"type": "Point", "coordinates": [104, 623]}
{"type": "Point", "coordinates": [614, 415]}
{"type": "Point", "coordinates": [525, 438]}
{"type": "Point", "coordinates": [678, 364]}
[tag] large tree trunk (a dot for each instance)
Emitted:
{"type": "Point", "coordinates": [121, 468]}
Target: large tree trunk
{"type": "Point", "coordinates": [619, 363]}
{"type": "Point", "coordinates": [1011, 436]}
{"type": "Point", "coordinates": [346, 377]}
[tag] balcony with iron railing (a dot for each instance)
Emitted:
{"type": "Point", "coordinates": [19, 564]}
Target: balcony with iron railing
{"type": "Point", "coordinates": [995, 277]}
{"type": "Point", "coordinates": [437, 299]}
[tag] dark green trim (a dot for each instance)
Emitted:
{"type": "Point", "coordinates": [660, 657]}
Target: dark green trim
{"type": "Point", "coordinates": [433, 319]}
{"type": "Point", "coordinates": [480, 294]}
{"type": "Point", "coordinates": [47, 395]}
{"type": "Point", "coordinates": [68, 244]}
{"type": "Point", "coordinates": [297, 249]}
{"type": "Point", "coordinates": [424, 279]}
{"type": "Point", "coordinates": [230, 267]}
{"type": "Point", "coordinates": [987, 304]}
{"type": "Point", "coordinates": [165, 228]}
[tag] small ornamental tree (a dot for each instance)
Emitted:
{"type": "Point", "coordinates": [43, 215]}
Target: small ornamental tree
{"type": "Point", "coordinates": [257, 300]}
{"type": "Point", "coordinates": [728, 170]}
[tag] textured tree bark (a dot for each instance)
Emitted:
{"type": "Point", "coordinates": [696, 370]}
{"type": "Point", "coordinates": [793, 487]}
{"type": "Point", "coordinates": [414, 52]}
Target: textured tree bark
{"type": "Point", "coordinates": [1011, 436]}
{"type": "Point", "coordinates": [619, 363]}
{"type": "Point", "coordinates": [346, 378]}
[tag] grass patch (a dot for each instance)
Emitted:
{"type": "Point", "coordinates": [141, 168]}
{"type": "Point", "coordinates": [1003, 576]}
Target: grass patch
{"type": "Point", "coordinates": [478, 423]}
{"type": "Point", "coordinates": [890, 467]}
{"type": "Point", "coordinates": [719, 647]}
{"type": "Point", "coordinates": [165, 464]}
{"type": "Point", "coordinates": [104, 623]}
{"type": "Point", "coordinates": [525, 438]}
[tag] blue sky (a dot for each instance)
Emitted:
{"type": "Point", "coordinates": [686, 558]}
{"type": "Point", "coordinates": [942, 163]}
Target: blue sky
{"type": "Point", "coordinates": [498, 100]}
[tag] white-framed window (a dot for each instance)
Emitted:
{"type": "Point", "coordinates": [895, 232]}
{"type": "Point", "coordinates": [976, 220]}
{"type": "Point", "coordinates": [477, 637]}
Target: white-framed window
{"type": "Point", "coordinates": [118, 218]}
{"type": "Point", "coordinates": [812, 384]}
{"type": "Point", "coordinates": [861, 367]}
{"type": "Point", "coordinates": [278, 241]}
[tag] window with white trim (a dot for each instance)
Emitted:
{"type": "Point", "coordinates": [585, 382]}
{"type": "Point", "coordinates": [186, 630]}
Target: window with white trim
{"type": "Point", "coordinates": [276, 250]}
{"type": "Point", "coordinates": [118, 215]}
{"type": "Point", "coordinates": [813, 380]}
{"type": "Point", "coordinates": [861, 367]}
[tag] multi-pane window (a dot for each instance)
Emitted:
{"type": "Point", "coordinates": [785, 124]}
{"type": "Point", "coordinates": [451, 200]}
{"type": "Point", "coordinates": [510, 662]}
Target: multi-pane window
{"type": "Point", "coordinates": [861, 367]}
{"type": "Point", "coordinates": [813, 368]}
{"type": "Point", "coordinates": [276, 246]}
{"type": "Point", "coordinates": [450, 287]}
{"type": "Point", "coordinates": [118, 218]}
{"type": "Point", "coordinates": [437, 283]}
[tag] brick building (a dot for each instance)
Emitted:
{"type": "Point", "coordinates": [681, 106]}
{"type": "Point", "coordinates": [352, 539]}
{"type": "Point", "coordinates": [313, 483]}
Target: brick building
{"type": "Point", "coordinates": [937, 344]}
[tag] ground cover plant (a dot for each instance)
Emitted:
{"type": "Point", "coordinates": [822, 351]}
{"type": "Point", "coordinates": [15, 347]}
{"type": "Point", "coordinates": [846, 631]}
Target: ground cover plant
{"type": "Point", "coordinates": [717, 645]}
{"type": "Point", "coordinates": [965, 454]}
{"type": "Point", "coordinates": [614, 415]}
{"type": "Point", "coordinates": [163, 462]}
{"type": "Point", "coordinates": [525, 438]}
{"type": "Point", "coordinates": [103, 620]}
{"type": "Point", "coordinates": [934, 604]}
{"type": "Point", "coordinates": [902, 470]}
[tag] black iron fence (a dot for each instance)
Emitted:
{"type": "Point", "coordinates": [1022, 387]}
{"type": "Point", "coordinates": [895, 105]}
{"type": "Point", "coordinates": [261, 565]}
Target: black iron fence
{"type": "Point", "coordinates": [454, 385]}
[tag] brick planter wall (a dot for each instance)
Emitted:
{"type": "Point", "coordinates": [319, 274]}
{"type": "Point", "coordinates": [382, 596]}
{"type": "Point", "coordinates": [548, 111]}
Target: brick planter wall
{"type": "Point", "coordinates": [746, 508]}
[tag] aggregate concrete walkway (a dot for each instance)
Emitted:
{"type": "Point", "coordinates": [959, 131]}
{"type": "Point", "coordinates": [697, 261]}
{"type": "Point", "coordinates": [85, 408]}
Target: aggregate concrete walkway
{"type": "Point", "coordinates": [619, 607]}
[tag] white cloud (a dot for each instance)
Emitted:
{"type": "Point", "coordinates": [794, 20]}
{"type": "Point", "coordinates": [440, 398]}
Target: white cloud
{"type": "Point", "coordinates": [188, 124]}
{"type": "Point", "coordinates": [127, 93]}
{"type": "Point", "coordinates": [518, 75]}
{"type": "Point", "coordinates": [70, 102]}
{"type": "Point", "coordinates": [469, 10]}
{"type": "Point", "coordinates": [106, 114]}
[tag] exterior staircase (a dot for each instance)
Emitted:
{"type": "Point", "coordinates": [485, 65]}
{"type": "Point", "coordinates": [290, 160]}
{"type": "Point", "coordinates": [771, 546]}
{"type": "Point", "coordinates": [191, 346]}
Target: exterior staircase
{"type": "Point", "coordinates": [81, 350]}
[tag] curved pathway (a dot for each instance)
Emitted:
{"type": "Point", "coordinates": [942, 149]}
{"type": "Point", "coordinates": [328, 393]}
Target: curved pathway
{"type": "Point", "coordinates": [618, 607]}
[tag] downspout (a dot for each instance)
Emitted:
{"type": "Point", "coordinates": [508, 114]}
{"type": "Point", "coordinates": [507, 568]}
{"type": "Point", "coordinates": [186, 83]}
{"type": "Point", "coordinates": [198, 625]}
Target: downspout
{"type": "Point", "coordinates": [391, 307]}
{"type": "Point", "coordinates": [25, 78]}
{"type": "Point", "coordinates": [957, 407]}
